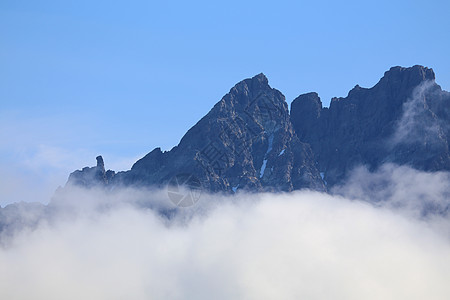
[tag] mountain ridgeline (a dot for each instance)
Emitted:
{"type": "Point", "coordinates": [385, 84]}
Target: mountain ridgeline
{"type": "Point", "coordinates": [250, 141]}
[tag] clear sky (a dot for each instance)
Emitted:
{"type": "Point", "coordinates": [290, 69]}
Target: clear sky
{"type": "Point", "coordinates": [119, 78]}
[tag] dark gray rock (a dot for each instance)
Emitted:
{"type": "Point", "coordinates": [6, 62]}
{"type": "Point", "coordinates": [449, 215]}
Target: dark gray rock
{"type": "Point", "coordinates": [90, 177]}
{"type": "Point", "coordinates": [403, 119]}
{"type": "Point", "coordinates": [245, 142]}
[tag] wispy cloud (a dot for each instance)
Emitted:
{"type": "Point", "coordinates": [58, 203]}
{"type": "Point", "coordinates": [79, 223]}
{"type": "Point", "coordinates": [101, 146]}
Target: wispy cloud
{"type": "Point", "coordinates": [36, 157]}
{"type": "Point", "coordinates": [400, 187]}
{"type": "Point", "coordinates": [418, 122]}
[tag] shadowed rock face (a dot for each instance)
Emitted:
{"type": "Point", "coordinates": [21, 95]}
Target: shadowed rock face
{"type": "Point", "coordinates": [402, 119]}
{"type": "Point", "coordinates": [246, 141]}
{"type": "Point", "coordinates": [236, 146]}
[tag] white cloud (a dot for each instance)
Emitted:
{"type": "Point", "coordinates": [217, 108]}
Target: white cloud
{"type": "Point", "coordinates": [414, 192]}
{"type": "Point", "coordinates": [303, 245]}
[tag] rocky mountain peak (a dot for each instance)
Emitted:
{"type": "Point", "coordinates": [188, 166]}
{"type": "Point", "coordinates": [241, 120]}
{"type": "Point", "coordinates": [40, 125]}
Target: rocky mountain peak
{"type": "Point", "coordinates": [407, 77]}
{"type": "Point", "coordinates": [252, 88]}
{"type": "Point", "coordinates": [309, 101]}
{"type": "Point", "coordinates": [257, 82]}
{"type": "Point", "coordinates": [100, 163]}
{"type": "Point", "coordinates": [360, 129]}
{"type": "Point", "coordinates": [250, 141]}
{"type": "Point", "coordinates": [417, 71]}
{"type": "Point", "coordinates": [305, 111]}
{"type": "Point", "coordinates": [246, 141]}
{"type": "Point", "coordinates": [261, 79]}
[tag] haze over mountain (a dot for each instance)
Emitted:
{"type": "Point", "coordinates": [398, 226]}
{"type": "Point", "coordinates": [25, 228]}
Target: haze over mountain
{"type": "Point", "coordinates": [341, 202]}
{"type": "Point", "coordinates": [250, 142]}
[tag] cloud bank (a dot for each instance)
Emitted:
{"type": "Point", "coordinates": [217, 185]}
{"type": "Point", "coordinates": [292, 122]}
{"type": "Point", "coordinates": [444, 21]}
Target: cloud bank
{"type": "Point", "coordinates": [302, 245]}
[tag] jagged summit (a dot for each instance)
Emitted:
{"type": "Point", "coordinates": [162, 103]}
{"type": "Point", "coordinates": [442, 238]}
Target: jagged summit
{"type": "Point", "coordinates": [245, 142]}
{"type": "Point", "coordinates": [412, 74]}
{"type": "Point", "coordinates": [250, 141]}
{"type": "Point", "coordinates": [249, 89]}
{"type": "Point", "coordinates": [261, 77]}
{"type": "Point", "coordinates": [362, 128]}
{"type": "Point", "coordinates": [257, 82]}
{"type": "Point", "coordinates": [395, 79]}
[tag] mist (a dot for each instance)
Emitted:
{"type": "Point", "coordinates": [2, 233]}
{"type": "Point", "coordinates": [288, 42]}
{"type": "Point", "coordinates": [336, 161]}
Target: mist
{"type": "Point", "coordinates": [417, 120]}
{"type": "Point", "coordinates": [95, 244]}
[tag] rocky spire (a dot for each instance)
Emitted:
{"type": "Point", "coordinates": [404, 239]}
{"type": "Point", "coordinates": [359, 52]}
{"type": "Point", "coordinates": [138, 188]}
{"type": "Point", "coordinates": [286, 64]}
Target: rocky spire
{"type": "Point", "coordinates": [100, 163]}
{"type": "Point", "coordinates": [89, 177]}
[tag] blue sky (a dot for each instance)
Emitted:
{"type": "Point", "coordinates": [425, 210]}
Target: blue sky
{"type": "Point", "coordinates": [119, 78]}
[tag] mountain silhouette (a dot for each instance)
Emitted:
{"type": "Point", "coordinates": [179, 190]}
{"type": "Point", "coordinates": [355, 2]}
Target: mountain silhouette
{"type": "Point", "coordinates": [250, 141]}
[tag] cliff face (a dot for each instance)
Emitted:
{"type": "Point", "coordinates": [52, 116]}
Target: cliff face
{"type": "Point", "coordinates": [250, 141]}
{"type": "Point", "coordinates": [403, 119]}
{"type": "Point", "coordinates": [245, 142]}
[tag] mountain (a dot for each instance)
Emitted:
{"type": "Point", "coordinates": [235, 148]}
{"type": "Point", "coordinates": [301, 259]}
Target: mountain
{"type": "Point", "coordinates": [246, 141]}
{"type": "Point", "coordinates": [403, 119]}
{"type": "Point", "coordinates": [250, 141]}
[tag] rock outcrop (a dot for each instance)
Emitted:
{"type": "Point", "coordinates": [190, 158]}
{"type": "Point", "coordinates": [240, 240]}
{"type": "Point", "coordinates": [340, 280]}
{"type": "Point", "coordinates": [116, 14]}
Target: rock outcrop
{"type": "Point", "coordinates": [89, 177]}
{"type": "Point", "coordinates": [246, 141]}
{"type": "Point", "coordinates": [403, 119]}
{"type": "Point", "coordinates": [250, 141]}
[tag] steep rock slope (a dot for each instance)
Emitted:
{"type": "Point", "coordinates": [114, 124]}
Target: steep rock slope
{"type": "Point", "coordinates": [403, 119]}
{"type": "Point", "coordinates": [246, 142]}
